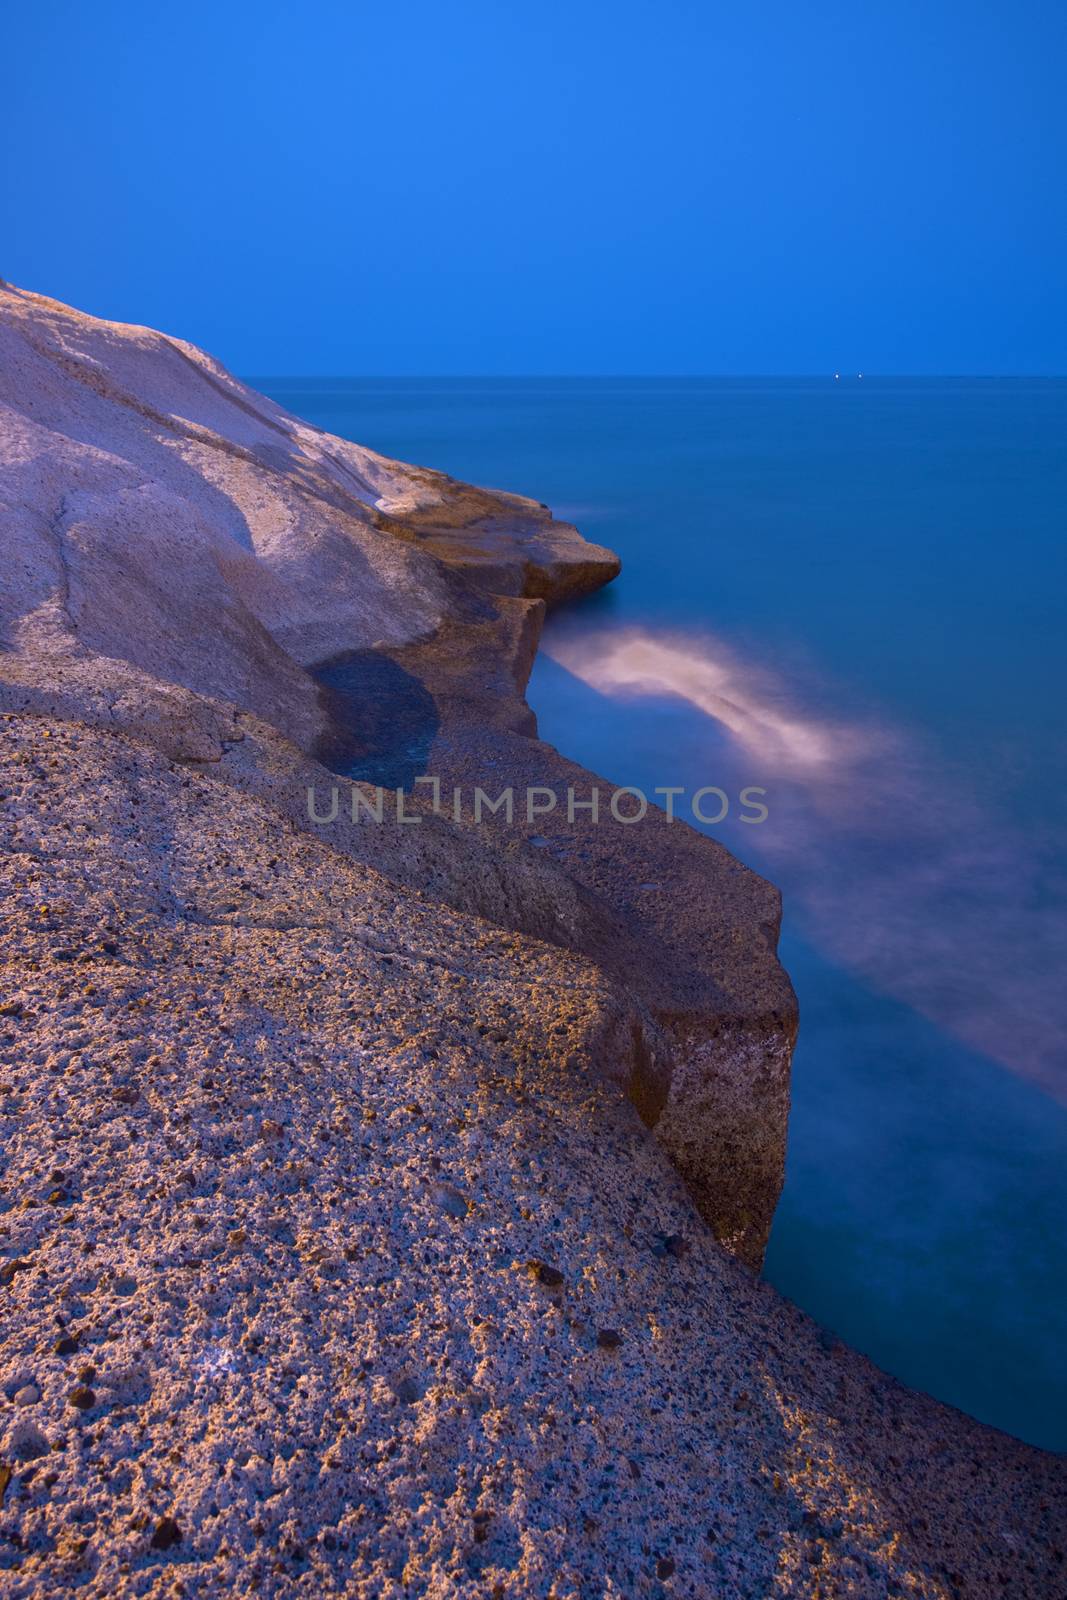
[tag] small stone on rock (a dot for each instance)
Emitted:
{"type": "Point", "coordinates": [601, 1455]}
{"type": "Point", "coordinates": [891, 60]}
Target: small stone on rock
{"type": "Point", "coordinates": [452, 1201]}
{"type": "Point", "coordinates": [551, 1277]}
{"type": "Point", "coordinates": [167, 1533]}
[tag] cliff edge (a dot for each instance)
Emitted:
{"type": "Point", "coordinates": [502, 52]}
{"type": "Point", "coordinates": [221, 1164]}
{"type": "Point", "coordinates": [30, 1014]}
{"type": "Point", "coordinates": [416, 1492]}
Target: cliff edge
{"type": "Point", "coordinates": [376, 1199]}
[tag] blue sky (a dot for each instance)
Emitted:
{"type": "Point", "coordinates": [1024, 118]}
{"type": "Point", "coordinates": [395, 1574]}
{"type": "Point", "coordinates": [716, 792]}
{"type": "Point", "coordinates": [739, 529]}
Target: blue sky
{"type": "Point", "coordinates": [486, 186]}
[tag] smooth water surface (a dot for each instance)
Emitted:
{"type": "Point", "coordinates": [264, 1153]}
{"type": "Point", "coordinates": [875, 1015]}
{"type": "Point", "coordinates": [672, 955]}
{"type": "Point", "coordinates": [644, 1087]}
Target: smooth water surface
{"type": "Point", "coordinates": [850, 594]}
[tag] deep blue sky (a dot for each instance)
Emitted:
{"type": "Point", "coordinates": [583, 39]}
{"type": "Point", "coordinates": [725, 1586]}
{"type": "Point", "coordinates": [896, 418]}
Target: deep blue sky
{"type": "Point", "coordinates": [487, 186]}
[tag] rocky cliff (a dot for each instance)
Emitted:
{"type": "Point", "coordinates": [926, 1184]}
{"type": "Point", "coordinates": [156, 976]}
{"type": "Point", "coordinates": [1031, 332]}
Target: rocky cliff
{"type": "Point", "coordinates": [379, 1201]}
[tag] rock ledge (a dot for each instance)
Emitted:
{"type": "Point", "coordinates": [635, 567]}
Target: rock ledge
{"type": "Point", "coordinates": [357, 1180]}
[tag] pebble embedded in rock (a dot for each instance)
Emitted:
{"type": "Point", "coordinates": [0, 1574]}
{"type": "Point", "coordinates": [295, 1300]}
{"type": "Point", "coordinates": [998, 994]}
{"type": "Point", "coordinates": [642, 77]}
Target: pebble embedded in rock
{"type": "Point", "coordinates": [167, 1534]}
{"type": "Point", "coordinates": [452, 1201]}
{"type": "Point", "coordinates": [28, 1443]}
{"type": "Point", "coordinates": [28, 1395]}
{"type": "Point", "coordinates": [408, 1390]}
{"type": "Point", "coordinates": [609, 1338]}
{"type": "Point", "coordinates": [481, 1520]}
{"type": "Point", "coordinates": [82, 1397]}
{"type": "Point", "coordinates": [542, 1273]}
{"type": "Point", "coordinates": [675, 1245]}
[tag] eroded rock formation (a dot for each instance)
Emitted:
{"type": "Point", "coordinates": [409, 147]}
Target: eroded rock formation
{"type": "Point", "coordinates": [358, 1179]}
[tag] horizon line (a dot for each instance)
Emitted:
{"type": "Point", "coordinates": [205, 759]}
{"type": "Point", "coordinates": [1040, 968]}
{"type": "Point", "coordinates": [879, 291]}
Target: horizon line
{"type": "Point", "coordinates": [660, 377]}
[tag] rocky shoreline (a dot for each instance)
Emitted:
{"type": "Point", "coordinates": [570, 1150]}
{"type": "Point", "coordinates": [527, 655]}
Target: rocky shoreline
{"type": "Point", "coordinates": [379, 1203]}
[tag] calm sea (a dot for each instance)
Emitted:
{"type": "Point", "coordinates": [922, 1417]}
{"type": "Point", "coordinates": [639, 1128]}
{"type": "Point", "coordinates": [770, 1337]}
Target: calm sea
{"type": "Point", "coordinates": [851, 594]}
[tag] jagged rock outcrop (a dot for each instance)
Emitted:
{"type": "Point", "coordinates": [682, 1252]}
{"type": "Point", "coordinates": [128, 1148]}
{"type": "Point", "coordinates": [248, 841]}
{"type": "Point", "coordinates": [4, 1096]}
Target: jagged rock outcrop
{"type": "Point", "coordinates": [351, 1234]}
{"type": "Point", "coordinates": [158, 513]}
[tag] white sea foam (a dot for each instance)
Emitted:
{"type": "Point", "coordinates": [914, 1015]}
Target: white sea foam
{"type": "Point", "coordinates": [709, 678]}
{"type": "Point", "coordinates": [887, 857]}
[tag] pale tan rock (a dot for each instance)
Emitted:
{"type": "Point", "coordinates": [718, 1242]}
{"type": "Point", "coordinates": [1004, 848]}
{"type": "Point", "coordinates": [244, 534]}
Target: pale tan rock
{"type": "Point", "coordinates": [343, 1229]}
{"type": "Point", "coordinates": [156, 511]}
{"type": "Point", "coordinates": [315, 1127]}
{"type": "Point", "coordinates": [181, 548]}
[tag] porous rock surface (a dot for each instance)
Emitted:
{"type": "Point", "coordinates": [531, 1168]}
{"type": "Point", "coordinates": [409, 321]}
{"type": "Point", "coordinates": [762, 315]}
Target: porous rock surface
{"type": "Point", "coordinates": [180, 550]}
{"type": "Point", "coordinates": [350, 1239]}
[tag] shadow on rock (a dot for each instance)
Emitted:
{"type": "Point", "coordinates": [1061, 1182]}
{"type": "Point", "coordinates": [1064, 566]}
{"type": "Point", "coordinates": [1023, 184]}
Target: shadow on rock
{"type": "Point", "coordinates": [383, 720]}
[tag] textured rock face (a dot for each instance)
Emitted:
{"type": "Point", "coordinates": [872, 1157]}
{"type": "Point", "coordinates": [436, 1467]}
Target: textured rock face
{"type": "Point", "coordinates": [344, 1242]}
{"type": "Point", "coordinates": [340, 1265]}
{"type": "Point", "coordinates": [158, 513]}
{"type": "Point", "coordinates": [168, 529]}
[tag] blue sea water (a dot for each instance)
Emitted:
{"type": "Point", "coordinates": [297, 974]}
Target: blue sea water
{"type": "Point", "coordinates": [849, 593]}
